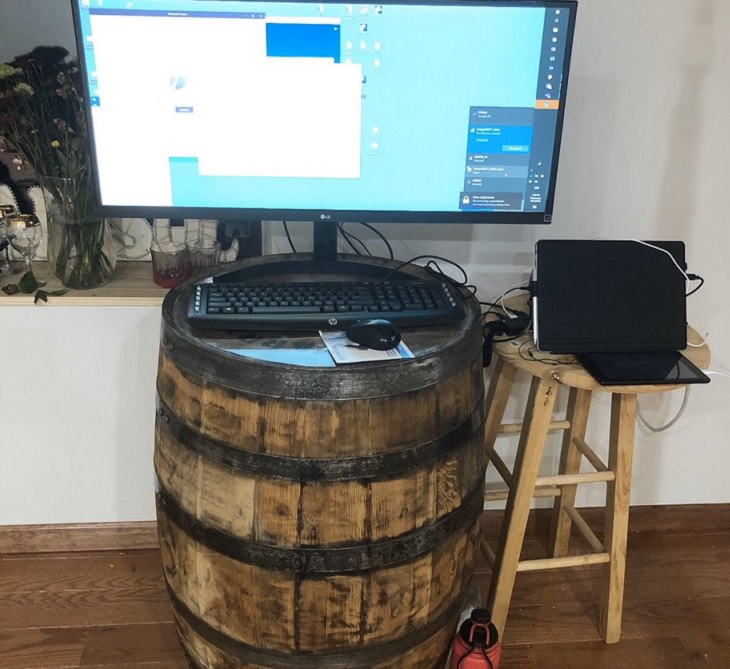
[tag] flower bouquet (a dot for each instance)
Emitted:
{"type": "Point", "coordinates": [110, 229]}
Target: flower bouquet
{"type": "Point", "coordinates": [42, 118]}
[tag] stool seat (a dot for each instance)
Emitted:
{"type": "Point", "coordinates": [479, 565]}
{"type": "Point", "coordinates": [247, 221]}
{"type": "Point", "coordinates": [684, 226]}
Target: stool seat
{"type": "Point", "coordinates": [549, 374]}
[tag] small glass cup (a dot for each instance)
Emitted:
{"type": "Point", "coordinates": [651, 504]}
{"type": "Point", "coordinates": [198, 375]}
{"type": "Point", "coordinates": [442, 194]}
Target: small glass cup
{"type": "Point", "coordinates": [6, 210]}
{"type": "Point", "coordinates": [204, 252]}
{"type": "Point", "coordinates": [24, 232]}
{"type": "Point", "coordinates": [170, 263]}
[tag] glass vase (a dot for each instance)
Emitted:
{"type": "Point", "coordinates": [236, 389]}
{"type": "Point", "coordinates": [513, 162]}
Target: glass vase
{"type": "Point", "coordinates": [81, 248]}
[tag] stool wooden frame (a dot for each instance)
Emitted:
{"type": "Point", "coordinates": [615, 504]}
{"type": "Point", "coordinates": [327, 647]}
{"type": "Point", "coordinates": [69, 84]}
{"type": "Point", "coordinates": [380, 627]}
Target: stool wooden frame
{"type": "Point", "coordinates": [524, 483]}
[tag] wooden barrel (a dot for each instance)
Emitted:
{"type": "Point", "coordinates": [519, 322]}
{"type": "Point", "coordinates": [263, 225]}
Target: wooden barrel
{"type": "Point", "coordinates": [318, 517]}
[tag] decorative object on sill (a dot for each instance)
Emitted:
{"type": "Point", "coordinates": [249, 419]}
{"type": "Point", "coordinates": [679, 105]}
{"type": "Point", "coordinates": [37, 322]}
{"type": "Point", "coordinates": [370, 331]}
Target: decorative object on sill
{"type": "Point", "coordinates": [42, 118]}
{"type": "Point", "coordinates": [133, 237]}
{"type": "Point", "coordinates": [81, 248]}
{"type": "Point", "coordinates": [6, 210]}
{"type": "Point", "coordinates": [27, 199]}
{"type": "Point", "coordinates": [191, 230]}
{"type": "Point", "coordinates": [24, 232]}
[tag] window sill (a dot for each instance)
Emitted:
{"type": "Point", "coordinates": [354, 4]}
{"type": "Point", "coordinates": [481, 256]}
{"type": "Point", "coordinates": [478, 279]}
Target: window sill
{"type": "Point", "coordinates": [131, 285]}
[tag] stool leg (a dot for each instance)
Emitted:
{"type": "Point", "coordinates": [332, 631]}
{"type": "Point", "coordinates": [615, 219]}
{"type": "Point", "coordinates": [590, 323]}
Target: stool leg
{"type": "Point", "coordinates": [498, 394]}
{"type": "Point", "coordinates": [579, 403]}
{"type": "Point", "coordinates": [618, 498]}
{"type": "Point", "coordinates": [538, 415]}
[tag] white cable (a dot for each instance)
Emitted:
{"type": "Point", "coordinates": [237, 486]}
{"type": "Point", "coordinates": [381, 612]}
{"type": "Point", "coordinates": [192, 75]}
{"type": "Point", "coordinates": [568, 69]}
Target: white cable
{"type": "Point", "coordinates": [699, 344]}
{"type": "Point", "coordinates": [666, 426]}
{"type": "Point", "coordinates": [500, 299]}
{"type": "Point", "coordinates": [659, 248]}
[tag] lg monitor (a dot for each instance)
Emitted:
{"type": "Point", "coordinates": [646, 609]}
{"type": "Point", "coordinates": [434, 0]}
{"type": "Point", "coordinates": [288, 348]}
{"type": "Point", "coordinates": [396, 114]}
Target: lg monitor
{"type": "Point", "coordinates": [409, 111]}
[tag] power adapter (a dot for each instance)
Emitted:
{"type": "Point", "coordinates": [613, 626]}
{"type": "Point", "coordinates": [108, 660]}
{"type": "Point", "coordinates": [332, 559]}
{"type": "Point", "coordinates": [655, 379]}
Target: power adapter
{"type": "Point", "coordinates": [515, 325]}
{"type": "Point", "coordinates": [509, 326]}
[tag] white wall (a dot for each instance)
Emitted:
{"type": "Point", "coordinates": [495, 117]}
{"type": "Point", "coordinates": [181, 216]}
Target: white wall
{"type": "Point", "coordinates": [77, 407]}
{"type": "Point", "coordinates": [645, 155]}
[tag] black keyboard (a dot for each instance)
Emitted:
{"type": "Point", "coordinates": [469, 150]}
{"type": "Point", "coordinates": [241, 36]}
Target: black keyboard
{"type": "Point", "coordinates": [325, 305]}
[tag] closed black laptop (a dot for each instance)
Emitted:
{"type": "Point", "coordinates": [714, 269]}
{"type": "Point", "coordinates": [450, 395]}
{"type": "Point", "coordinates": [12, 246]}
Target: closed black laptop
{"type": "Point", "coordinates": [619, 305]}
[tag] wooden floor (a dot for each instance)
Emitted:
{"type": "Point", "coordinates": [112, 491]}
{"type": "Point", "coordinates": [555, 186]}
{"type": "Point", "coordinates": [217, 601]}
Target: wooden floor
{"type": "Point", "coordinates": [108, 608]}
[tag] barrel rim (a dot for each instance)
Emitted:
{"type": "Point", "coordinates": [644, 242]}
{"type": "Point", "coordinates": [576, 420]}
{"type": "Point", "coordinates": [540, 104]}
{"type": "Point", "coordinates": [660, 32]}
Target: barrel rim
{"type": "Point", "coordinates": [192, 354]}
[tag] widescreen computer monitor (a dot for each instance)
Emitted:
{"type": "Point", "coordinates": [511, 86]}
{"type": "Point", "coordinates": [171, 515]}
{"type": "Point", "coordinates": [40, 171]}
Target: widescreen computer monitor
{"type": "Point", "coordinates": [414, 111]}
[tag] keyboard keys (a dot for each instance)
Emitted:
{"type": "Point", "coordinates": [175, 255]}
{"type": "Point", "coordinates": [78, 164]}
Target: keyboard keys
{"type": "Point", "coordinates": [317, 305]}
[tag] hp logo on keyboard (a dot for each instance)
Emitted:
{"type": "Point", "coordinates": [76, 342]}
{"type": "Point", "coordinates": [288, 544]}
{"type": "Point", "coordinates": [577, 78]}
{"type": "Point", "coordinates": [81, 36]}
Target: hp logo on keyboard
{"type": "Point", "coordinates": [332, 321]}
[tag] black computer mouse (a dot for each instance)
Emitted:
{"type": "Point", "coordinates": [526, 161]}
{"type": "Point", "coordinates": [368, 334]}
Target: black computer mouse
{"type": "Point", "coordinates": [375, 333]}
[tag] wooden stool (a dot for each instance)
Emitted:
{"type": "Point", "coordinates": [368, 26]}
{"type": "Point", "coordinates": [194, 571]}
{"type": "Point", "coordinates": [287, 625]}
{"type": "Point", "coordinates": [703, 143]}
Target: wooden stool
{"type": "Point", "coordinates": [523, 482]}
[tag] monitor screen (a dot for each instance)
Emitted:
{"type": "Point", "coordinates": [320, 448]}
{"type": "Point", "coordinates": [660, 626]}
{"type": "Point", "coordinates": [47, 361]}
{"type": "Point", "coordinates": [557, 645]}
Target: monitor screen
{"type": "Point", "coordinates": [423, 111]}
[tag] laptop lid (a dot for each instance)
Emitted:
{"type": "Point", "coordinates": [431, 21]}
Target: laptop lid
{"type": "Point", "coordinates": [609, 295]}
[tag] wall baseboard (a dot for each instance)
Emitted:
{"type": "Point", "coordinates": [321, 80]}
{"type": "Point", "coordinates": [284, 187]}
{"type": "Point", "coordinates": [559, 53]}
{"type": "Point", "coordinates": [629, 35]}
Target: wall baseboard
{"type": "Point", "coordinates": [78, 537]}
{"type": "Point", "coordinates": [15, 539]}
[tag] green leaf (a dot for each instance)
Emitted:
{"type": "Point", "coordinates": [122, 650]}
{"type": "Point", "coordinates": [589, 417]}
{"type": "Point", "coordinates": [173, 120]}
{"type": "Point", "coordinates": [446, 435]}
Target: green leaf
{"type": "Point", "coordinates": [45, 294]}
{"type": "Point", "coordinates": [11, 289]}
{"type": "Point", "coordinates": [28, 283]}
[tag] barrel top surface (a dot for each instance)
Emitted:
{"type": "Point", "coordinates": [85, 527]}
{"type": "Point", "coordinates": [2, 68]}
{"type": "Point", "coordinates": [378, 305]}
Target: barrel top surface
{"type": "Point", "coordinates": [300, 362]}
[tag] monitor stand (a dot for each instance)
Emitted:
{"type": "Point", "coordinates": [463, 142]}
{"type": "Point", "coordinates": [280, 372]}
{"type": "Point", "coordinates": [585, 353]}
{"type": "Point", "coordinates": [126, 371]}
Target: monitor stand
{"type": "Point", "coordinates": [325, 241]}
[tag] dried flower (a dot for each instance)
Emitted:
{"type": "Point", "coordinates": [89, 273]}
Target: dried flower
{"type": "Point", "coordinates": [7, 70]}
{"type": "Point", "coordinates": [42, 118]}
{"type": "Point", "coordinates": [23, 89]}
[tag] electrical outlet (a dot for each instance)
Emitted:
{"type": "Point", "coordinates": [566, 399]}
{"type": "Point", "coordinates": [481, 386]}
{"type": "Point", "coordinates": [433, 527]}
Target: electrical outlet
{"type": "Point", "coordinates": [237, 229]}
{"type": "Point", "coordinates": [247, 233]}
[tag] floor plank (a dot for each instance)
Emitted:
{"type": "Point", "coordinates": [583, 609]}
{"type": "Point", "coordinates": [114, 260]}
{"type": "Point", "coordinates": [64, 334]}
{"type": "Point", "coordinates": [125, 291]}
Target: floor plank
{"type": "Point", "coordinates": [83, 608]}
{"type": "Point", "coordinates": [41, 648]}
{"type": "Point", "coordinates": [80, 571]}
{"type": "Point", "coordinates": [133, 645]}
